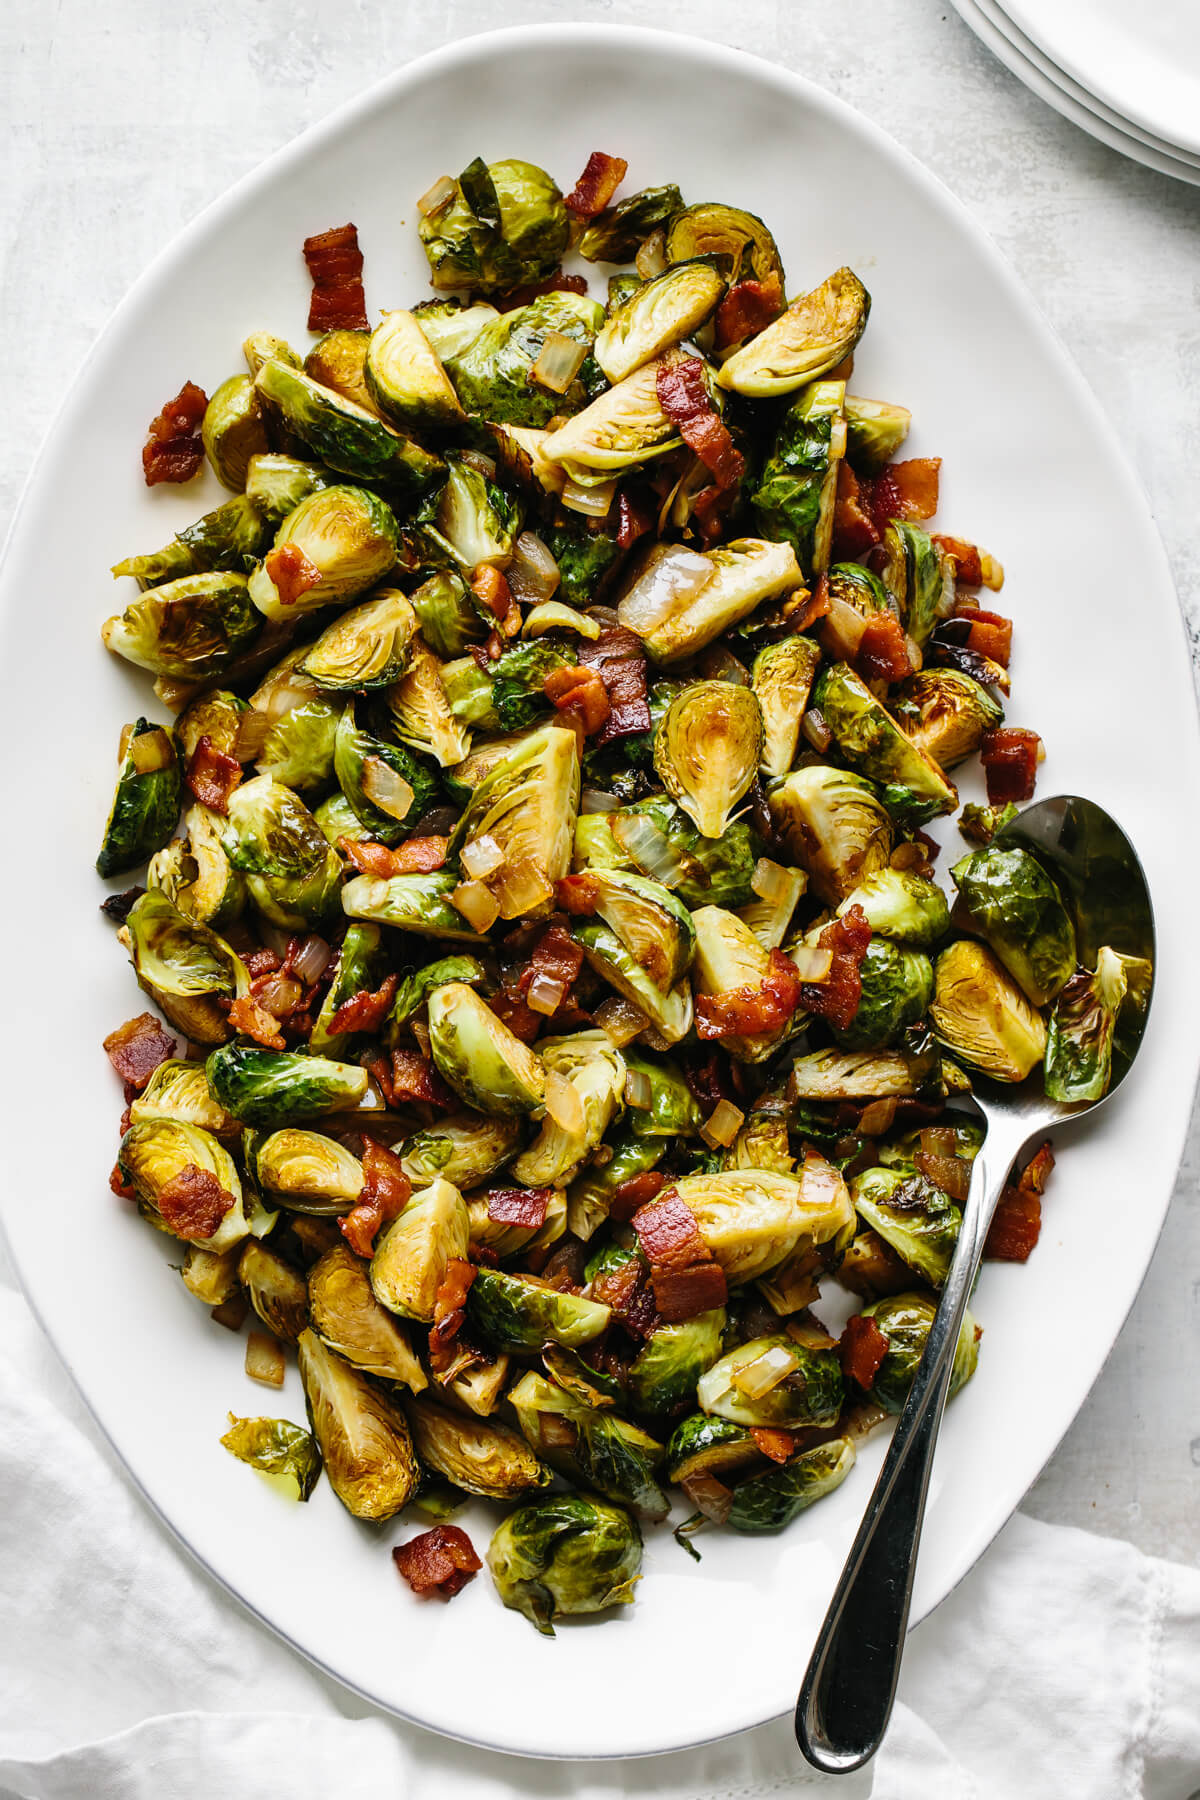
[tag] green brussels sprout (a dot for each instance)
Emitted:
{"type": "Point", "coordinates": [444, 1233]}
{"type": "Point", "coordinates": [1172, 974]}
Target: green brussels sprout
{"type": "Point", "coordinates": [702, 1445]}
{"type": "Point", "coordinates": [346, 437]}
{"type": "Point", "coordinates": [188, 629]}
{"type": "Point", "coordinates": [511, 1313]}
{"type": "Point", "coordinates": [912, 1216]}
{"type": "Point", "coordinates": [260, 346]}
{"type": "Point", "coordinates": [505, 1240]}
{"type": "Point", "coordinates": [944, 713]}
{"type": "Point", "coordinates": [710, 871]}
{"type": "Point", "coordinates": [867, 1075]}
{"type": "Point", "coordinates": [729, 957]}
{"type": "Point", "coordinates": [298, 750]}
{"type": "Point", "coordinates": [493, 376]}
{"type": "Point", "coordinates": [527, 806]}
{"type": "Point", "coordinates": [901, 905]}
{"type": "Point", "coordinates": [450, 326]}
{"type": "Point", "coordinates": [781, 681]}
{"type": "Point", "coordinates": [664, 1373]}
{"type": "Point", "coordinates": [591, 1446]}
{"type": "Point", "coordinates": [622, 428]}
{"type": "Point", "coordinates": [875, 431]}
{"type": "Point", "coordinates": [858, 588]}
{"type": "Point", "coordinates": [897, 986]}
{"type": "Point", "coordinates": [445, 612]}
{"type": "Point", "coordinates": [276, 1292]}
{"type": "Point", "coordinates": [670, 1013]}
{"type": "Point", "coordinates": [466, 1148]}
{"type": "Point", "coordinates": [368, 646]}
{"type": "Point", "coordinates": [911, 785]}
{"type": "Point", "coordinates": [676, 609]}
{"type": "Point", "coordinates": [706, 751]}
{"type": "Point", "coordinates": [809, 1391]}
{"type": "Point", "coordinates": [793, 502]}
{"type": "Point", "coordinates": [339, 361]}
{"type": "Point", "coordinates": [504, 224]}
{"type": "Point", "coordinates": [470, 520]}
{"type": "Point", "coordinates": [157, 1152]}
{"type": "Point", "coordinates": [1079, 1039]}
{"type": "Point", "coordinates": [671, 1111]}
{"type": "Point", "coordinates": [591, 1194]}
{"type": "Point", "coordinates": [419, 710]}
{"type": "Point", "coordinates": [565, 1555]}
{"type": "Point", "coordinates": [414, 990]}
{"type": "Point", "coordinates": [596, 1071]}
{"type": "Point", "coordinates": [584, 555]}
{"type": "Point", "coordinates": [338, 819]}
{"type": "Point", "coordinates": [417, 903]}
{"type": "Point", "coordinates": [817, 332]}
{"type": "Point", "coordinates": [233, 430]}
{"type": "Point", "coordinates": [270, 1088]}
{"type": "Point", "coordinates": [363, 1435]}
{"type": "Point", "coordinates": [658, 315]}
{"type": "Point", "coordinates": [350, 1321]}
{"type": "Point", "coordinates": [737, 242]}
{"type": "Point", "coordinates": [621, 287]}
{"type": "Point", "coordinates": [306, 1171]}
{"type": "Point", "coordinates": [904, 1320]}
{"type": "Point", "coordinates": [145, 805]}
{"type": "Point", "coordinates": [769, 919]}
{"type": "Point", "coordinates": [277, 484]}
{"type": "Point", "coordinates": [769, 1501]}
{"type": "Point", "coordinates": [216, 715]}
{"type": "Point", "coordinates": [568, 1370]}
{"type": "Point", "coordinates": [184, 967]}
{"type": "Point", "coordinates": [195, 873]}
{"type": "Point", "coordinates": [387, 787]}
{"type": "Point", "coordinates": [469, 692]}
{"type": "Point", "coordinates": [212, 1278]}
{"type": "Point", "coordinates": [178, 1089]}
{"type": "Point", "coordinates": [762, 1143]}
{"type": "Point", "coordinates": [359, 969]}
{"type": "Point", "coordinates": [519, 451]}
{"type": "Point", "coordinates": [479, 1057]}
{"type": "Point", "coordinates": [517, 697]}
{"type": "Point", "coordinates": [231, 537]}
{"type": "Point", "coordinates": [275, 1447]}
{"type": "Point", "coordinates": [1015, 905]}
{"type": "Point", "coordinates": [347, 534]}
{"type": "Point", "coordinates": [618, 233]}
{"type": "Point", "coordinates": [653, 925]}
{"type": "Point", "coordinates": [292, 872]}
{"type": "Point", "coordinates": [835, 825]}
{"type": "Point", "coordinates": [411, 1256]}
{"type": "Point", "coordinates": [921, 576]}
{"type": "Point", "coordinates": [753, 1219]}
{"type": "Point", "coordinates": [478, 1456]}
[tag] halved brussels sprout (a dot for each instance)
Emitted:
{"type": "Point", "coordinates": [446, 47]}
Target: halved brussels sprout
{"type": "Point", "coordinates": [276, 1292]}
{"type": "Point", "coordinates": [184, 967]}
{"type": "Point", "coordinates": [565, 1555]}
{"type": "Point", "coordinates": [591, 1195]}
{"type": "Point", "coordinates": [945, 714]}
{"type": "Point", "coordinates": [367, 647]}
{"type": "Point", "coordinates": [762, 1143]}
{"type": "Point", "coordinates": [157, 1153]}
{"type": "Point", "coordinates": [670, 1013]}
{"type": "Point", "coordinates": [675, 617]}
{"type": "Point", "coordinates": [261, 346]}
{"type": "Point", "coordinates": [623, 427]}
{"type": "Point", "coordinates": [450, 326]}
{"type": "Point", "coordinates": [493, 376]}
{"type": "Point", "coordinates": [233, 536]}
{"type": "Point", "coordinates": [769, 1501]}
{"type": "Point", "coordinates": [417, 903]}
{"type": "Point", "coordinates": [904, 1320]}
{"type": "Point", "coordinates": [485, 1064]}
{"type": "Point", "coordinates": [592, 1446]}
{"type": "Point", "coordinates": [737, 242]}
{"type": "Point", "coordinates": [277, 484]}
{"type": "Point", "coordinates": [345, 436]}
{"type": "Point", "coordinates": [276, 1447]}
{"type": "Point", "coordinates": [912, 1216]}
{"type": "Point", "coordinates": [897, 986]}
{"type": "Point", "coordinates": [752, 1219]}
{"type": "Point", "coordinates": [781, 680]}
{"type": "Point", "coordinates": [618, 233]}
{"type": "Point", "coordinates": [405, 377]}
{"type": "Point", "coordinates": [809, 1391]}
{"type": "Point", "coordinates": [911, 785]}
{"type": "Point", "coordinates": [728, 957]}
{"type": "Point", "coordinates": [350, 1321]}
{"type": "Point", "coordinates": [307, 1171]}
{"type": "Point", "coordinates": [145, 805]}
{"type": "Point", "coordinates": [233, 430]}
{"type": "Point", "coordinates": [215, 714]}
{"type": "Point", "coordinates": [585, 554]}
{"type": "Point", "coordinates": [653, 925]}
{"type": "Point", "coordinates": [519, 451]}
{"type": "Point", "coordinates": [921, 576]}
{"type": "Point", "coordinates": [596, 1071]}
{"type": "Point", "coordinates": [794, 499]}
{"type": "Point", "coordinates": [1011, 901]}
{"type": "Point", "coordinates": [386, 786]}
{"type": "Point", "coordinates": [901, 905]}
{"type": "Point", "coordinates": [410, 1257]}
{"type": "Point", "coordinates": [867, 1075]}
{"type": "Point", "coordinates": [211, 1276]}
{"type": "Point", "coordinates": [657, 315]}
{"type": "Point", "coordinates": [769, 919]}
{"type": "Point", "coordinates": [527, 804]}
{"type": "Point", "coordinates": [465, 1148]}
{"type": "Point", "coordinates": [875, 430]}
{"type": "Point", "coordinates": [359, 968]}
{"type": "Point", "coordinates": [178, 1089]}
{"type": "Point", "coordinates": [347, 535]}
{"type": "Point", "coordinates": [512, 1313]}
{"type": "Point", "coordinates": [198, 876]}
{"type": "Point", "coordinates": [471, 520]}
{"type": "Point", "coordinates": [704, 1445]}
{"type": "Point", "coordinates": [339, 361]}
{"type": "Point", "coordinates": [271, 1088]}
{"type": "Point", "coordinates": [1079, 1040]}
{"type": "Point", "coordinates": [706, 751]}
{"type": "Point", "coordinates": [504, 224]}
{"type": "Point", "coordinates": [477, 1381]}
{"type": "Point", "coordinates": [817, 332]}
{"type": "Point", "coordinates": [982, 1017]}
{"type": "Point", "coordinates": [364, 1436]}
{"type": "Point", "coordinates": [568, 1370]}
{"type": "Point", "coordinates": [505, 1240]}
{"type": "Point", "coordinates": [420, 712]}
{"type": "Point", "coordinates": [298, 749]}
{"type": "Point", "coordinates": [664, 1373]}
{"type": "Point", "coordinates": [707, 871]}
{"type": "Point", "coordinates": [480, 1457]}
{"type": "Point", "coordinates": [446, 614]}
{"type": "Point", "coordinates": [188, 629]}
{"type": "Point", "coordinates": [291, 870]}
{"type": "Point", "coordinates": [414, 990]}
{"type": "Point", "coordinates": [671, 1110]}
{"type": "Point", "coordinates": [835, 825]}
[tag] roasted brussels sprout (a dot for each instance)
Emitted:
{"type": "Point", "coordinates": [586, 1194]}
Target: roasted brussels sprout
{"type": "Point", "coordinates": [195, 873]}
{"type": "Point", "coordinates": [503, 224]}
{"type": "Point", "coordinates": [291, 871]}
{"type": "Point", "coordinates": [345, 436]}
{"type": "Point", "coordinates": [596, 1071]}
{"type": "Point", "coordinates": [504, 1239]}
{"type": "Point", "coordinates": [465, 1148]}
{"type": "Point", "coordinates": [159, 1157]}
{"type": "Point", "coordinates": [591, 1194]}
{"type": "Point", "coordinates": [728, 957]}
{"type": "Point", "coordinates": [793, 502]}
{"type": "Point", "coordinates": [339, 361]}
{"type": "Point", "coordinates": [277, 484]}
{"type": "Point", "coordinates": [350, 1321]}
{"type": "Point", "coordinates": [816, 333]}
{"type": "Point", "coordinates": [145, 806]}
{"type": "Point", "coordinates": [704, 1445]}
{"type": "Point", "coordinates": [591, 1446]}
{"type": "Point", "coordinates": [1011, 901]}
{"type": "Point", "coordinates": [417, 903]}
{"type": "Point", "coordinates": [769, 1501]}
{"type": "Point", "coordinates": [897, 986]}
{"type": "Point", "coordinates": [736, 242]}
{"type": "Point", "coordinates": [211, 1276]}
{"type": "Point", "coordinates": [921, 576]}
{"type": "Point", "coordinates": [472, 520]}
{"type": "Point", "coordinates": [835, 825]}
{"type": "Point", "coordinates": [449, 621]}
{"type": "Point", "coordinates": [178, 1089]}
{"type": "Point", "coordinates": [405, 377]}
{"type": "Point", "coordinates": [584, 559]}
{"type": "Point", "coordinates": [420, 714]}
{"type": "Point", "coordinates": [450, 326]}
{"type": "Point", "coordinates": [306, 1170]}
{"type": "Point", "coordinates": [270, 1088]}
{"type": "Point", "coordinates": [188, 629]}
{"type": "Point", "coordinates": [565, 1555]}
{"type": "Point", "coordinates": [677, 609]}
{"type": "Point", "coordinates": [774, 1381]}
{"type": "Point", "coordinates": [359, 968]}
{"type": "Point", "coordinates": [912, 1216]}
{"type": "Point", "coordinates": [364, 1436]}
{"type": "Point", "coordinates": [752, 1219]}
{"type": "Point", "coordinates": [903, 906]}
{"type": "Point", "coordinates": [234, 430]}
{"type": "Point", "coordinates": [342, 541]}
{"type": "Point", "coordinates": [298, 749]}
{"type": "Point", "coordinates": [781, 681]}
{"type": "Point", "coordinates": [476, 1455]}
{"type": "Point", "coordinates": [904, 1320]}
{"type": "Point", "coordinates": [511, 1313]}
{"type": "Point", "coordinates": [1079, 1039]}
{"type": "Point", "coordinates": [623, 427]}
{"type": "Point", "coordinates": [276, 1292]}
{"type": "Point", "coordinates": [706, 871]}
{"type": "Point", "coordinates": [652, 924]}
{"type": "Point", "coordinates": [867, 1074]}
{"type": "Point", "coordinates": [369, 646]}
{"type": "Point", "coordinates": [657, 315]}
{"type": "Point", "coordinates": [411, 1255]}
{"type": "Point", "coordinates": [527, 806]}
{"type": "Point", "coordinates": [184, 967]}
{"type": "Point", "coordinates": [664, 1373]}
{"type": "Point", "coordinates": [493, 376]}
{"type": "Point", "coordinates": [670, 1109]}
{"type": "Point", "coordinates": [276, 1447]}
{"type": "Point", "coordinates": [945, 714]}
{"type": "Point", "coordinates": [386, 786]}
{"type": "Point", "coordinates": [414, 990]}
{"type": "Point", "coordinates": [478, 1055]}
{"type": "Point", "coordinates": [618, 233]}
{"type": "Point", "coordinates": [875, 430]}
{"type": "Point", "coordinates": [706, 751]}
{"type": "Point", "coordinates": [670, 1011]}
{"type": "Point", "coordinates": [232, 537]}
{"type": "Point", "coordinates": [911, 785]}
{"type": "Point", "coordinates": [770, 918]}
{"type": "Point", "coordinates": [216, 714]}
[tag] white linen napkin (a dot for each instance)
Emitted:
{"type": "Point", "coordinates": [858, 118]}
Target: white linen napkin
{"type": "Point", "coordinates": [1065, 1667]}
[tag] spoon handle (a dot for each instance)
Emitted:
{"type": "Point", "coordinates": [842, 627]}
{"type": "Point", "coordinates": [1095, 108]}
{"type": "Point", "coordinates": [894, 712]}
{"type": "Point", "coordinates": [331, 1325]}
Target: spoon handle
{"type": "Point", "coordinates": [846, 1700]}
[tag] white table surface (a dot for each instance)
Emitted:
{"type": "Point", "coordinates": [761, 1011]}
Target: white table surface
{"type": "Point", "coordinates": [121, 121]}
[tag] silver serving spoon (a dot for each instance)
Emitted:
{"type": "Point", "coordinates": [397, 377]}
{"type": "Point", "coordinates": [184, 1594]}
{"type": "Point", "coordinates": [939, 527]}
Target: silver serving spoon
{"type": "Point", "coordinates": [846, 1700]}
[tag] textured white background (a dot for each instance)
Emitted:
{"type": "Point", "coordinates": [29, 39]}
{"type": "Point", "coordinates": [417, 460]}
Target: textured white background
{"type": "Point", "coordinates": [121, 121]}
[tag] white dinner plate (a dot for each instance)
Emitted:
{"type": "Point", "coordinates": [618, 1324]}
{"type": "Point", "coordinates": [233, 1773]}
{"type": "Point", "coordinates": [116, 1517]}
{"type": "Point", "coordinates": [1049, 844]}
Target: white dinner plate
{"type": "Point", "coordinates": [1032, 470]}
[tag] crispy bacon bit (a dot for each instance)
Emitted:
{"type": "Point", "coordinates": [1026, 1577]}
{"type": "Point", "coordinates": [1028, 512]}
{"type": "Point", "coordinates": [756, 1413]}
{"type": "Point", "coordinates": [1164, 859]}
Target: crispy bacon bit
{"type": "Point", "coordinates": [1009, 755]}
{"type": "Point", "coordinates": [668, 1232]}
{"type": "Point", "coordinates": [292, 572]}
{"type": "Point", "coordinates": [117, 907]}
{"type": "Point", "coordinates": [618, 659]}
{"type": "Point", "coordinates": [449, 1310]}
{"type": "Point", "coordinates": [684, 398]}
{"type": "Point", "coordinates": [708, 1078]}
{"type": "Point", "coordinates": [579, 693]}
{"type": "Point", "coordinates": [747, 1011]}
{"type": "Point", "coordinates": [439, 1561]}
{"type": "Point", "coordinates": [635, 1193]}
{"type": "Point", "coordinates": [419, 856]}
{"type": "Point", "coordinates": [365, 1012]}
{"type": "Point", "coordinates": [1015, 1229]}
{"type": "Point", "coordinates": [212, 776]}
{"type": "Point", "coordinates": [882, 650]}
{"type": "Point", "coordinates": [193, 1203]}
{"type": "Point", "coordinates": [903, 490]}
{"type": "Point", "coordinates": [863, 1347]}
{"type": "Point", "coordinates": [680, 1294]}
{"type": "Point", "coordinates": [814, 607]}
{"type": "Point", "coordinates": [602, 176]}
{"type": "Point", "coordinates": [385, 1193]}
{"type": "Point", "coordinates": [746, 309]}
{"type": "Point", "coordinates": [577, 894]}
{"type": "Point", "coordinates": [519, 1206]}
{"type": "Point", "coordinates": [336, 265]}
{"type": "Point", "coordinates": [174, 450]}
{"type": "Point", "coordinates": [1037, 1171]}
{"type": "Point", "coordinates": [520, 1018]}
{"type": "Point", "coordinates": [413, 1078]}
{"type": "Point", "coordinates": [780, 1446]}
{"type": "Point", "coordinates": [492, 590]}
{"type": "Point", "coordinates": [262, 962]}
{"type": "Point", "coordinates": [635, 522]}
{"type": "Point", "coordinates": [968, 565]}
{"type": "Point", "coordinates": [556, 283]}
{"type": "Point", "coordinates": [854, 529]}
{"type": "Point", "coordinates": [990, 635]}
{"type": "Point", "coordinates": [254, 1021]}
{"type": "Point", "coordinates": [837, 997]}
{"type": "Point", "coordinates": [136, 1049]}
{"type": "Point", "coordinates": [627, 1291]}
{"type": "Point", "coordinates": [556, 956]}
{"type": "Point", "coordinates": [124, 1190]}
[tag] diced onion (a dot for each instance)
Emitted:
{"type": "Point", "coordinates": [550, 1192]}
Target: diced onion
{"type": "Point", "coordinates": [594, 501]}
{"type": "Point", "coordinates": [311, 960]}
{"type": "Point", "coordinates": [479, 856]}
{"type": "Point", "coordinates": [533, 567]}
{"type": "Point", "coordinates": [877, 1117]}
{"type": "Point", "coordinates": [916, 655]}
{"type": "Point", "coordinates": [670, 578]}
{"type": "Point", "coordinates": [722, 1125]}
{"type": "Point", "coordinates": [809, 1333]}
{"type": "Point", "coordinates": [435, 197]}
{"type": "Point", "coordinates": [285, 696]}
{"type": "Point", "coordinates": [771, 881]}
{"type": "Point", "coordinates": [765, 1372]}
{"type": "Point", "coordinates": [595, 800]}
{"type": "Point", "coordinates": [651, 258]}
{"type": "Point", "coordinates": [650, 849]}
{"type": "Point", "coordinates": [476, 459]}
{"type": "Point", "coordinates": [174, 692]}
{"type": "Point", "coordinates": [520, 887]}
{"type": "Point", "coordinates": [386, 789]}
{"type": "Point", "coordinates": [816, 730]}
{"type": "Point", "coordinates": [950, 1173]}
{"type": "Point", "coordinates": [620, 1020]}
{"type": "Point", "coordinates": [280, 995]}
{"type": "Point", "coordinates": [563, 1104]}
{"type": "Point", "coordinates": [253, 729]}
{"type": "Point", "coordinates": [151, 751]}
{"type": "Point", "coordinates": [558, 363]}
{"type": "Point", "coordinates": [813, 961]}
{"type": "Point", "coordinates": [708, 1495]}
{"type": "Point", "coordinates": [639, 1090]}
{"type": "Point", "coordinates": [264, 1359]}
{"type": "Point", "coordinates": [654, 1040]}
{"type": "Point", "coordinates": [545, 995]}
{"type": "Point", "coordinates": [477, 904]}
{"type": "Point", "coordinates": [842, 629]}
{"type": "Point", "coordinates": [555, 1432]}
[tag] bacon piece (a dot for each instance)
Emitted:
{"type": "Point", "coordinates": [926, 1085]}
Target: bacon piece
{"type": "Point", "coordinates": [990, 634]}
{"type": "Point", "coordinates": [903, 490]}
{"type": "Point", "coordinates": [262, 962]}
{"type": "Point", "coordinates": [685, 399]}
{"type": "Point", "coordinates": [335, 264]}
{"type": "Point", "coordinates": [520, 1018]}
{"type": "Point", "coordinates": [292, 571]}
{"type": "Point", "coordinates": [854, 530]}
{"type": "Point", "coordinates": [708, 1078]}
{"type": "Point", "coordinates": [578, 693]}
{"type": "Point", "coordinates": [123, 1189]}
{"type": "Point", "coordinates": [556, 283]}
{"type": "Point", "coordinates": [556, 955]}
{"type": "Point", "coordinates": [1016, 1227]}
{"type": "Point", "coordinates": [385, 1193]}
{"type": "Point", "coordinates": [747, 1011]}
{"type": "Point", "coordinates": [780, 1446]}
{"type": "Point", "coordinates": [519, 1206]}
{"type": "Point", "coordinates": [577, 894]}
{"type": "Point", "coordinates": [212, 776]}
{"type": "Point", "coordinates": [117, 907]}
{"type": "Point", "coordinates": [882, 650]}
{"type": "Point", "coordinates": [439, 1561]}
{"type": "Point", "coordinates": [413, 1078]}
{"type": "Point", "coordinates": [626, 1290]}
{"type": "Point", "coordinates": [837, 997]}
{"type": "Point", "coordinates": [635, 1193]}
{"type": "Point", "coordinates": [254, 1021]}
{"type": "Point", "coordinates": [449, 1310]}
{"type": "Point", "coordinates": [814, 607]}
{"type": "Point", "coordinates": [366, 1011]}
{"type": "Point", "coordinates": [680, 1294]}
{"type": "Point", "coordinates": [1037, 1171]}
{"type": "Point", "coordinates": [968, 565]}
{"type": "Point", "coordinates": [1009, 755]}
{"type": "Point", "coordinates": [619, 660]}
{"type": "Point", "coordinates": [635, 522]}
{"type": "Point", "coordinates": [174, 449]}
{"type": "Point", "coordinates": [419, 856]}
{"type": "Point", "coordinates": [602, 176]}
{"type": "Point", "coordinates": [193, 1203]}
{"type": "Point", "coordinates": [746, 309]}
{"type": "Point", "coordinates": [492, 590]}
{"type": "Point", "coordinates": [136, 1049]}
{"type": "Point", "coordinates": [862, 1348]}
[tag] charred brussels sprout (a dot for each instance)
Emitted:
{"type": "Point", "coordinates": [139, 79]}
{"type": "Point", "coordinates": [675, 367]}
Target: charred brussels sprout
{"type": "Point", "coordinates": [793, 502]}
{"type": "Point", "coordinates": [385, 785]}
{"type": "Point", "coordinates": [344, 539]}
{"type": "Point", "coordinates": [653, 925]}
{"type": "Point", "coordinates": [618, 233]}
{"type": "Point", "coordinates": [306, 1171]}
{"type": "Point", "coordinates": [405, 377]}
{"type": "Point", "coordinates": [700, 1445]}
{"type": "Point", "coordinates": [345, 436]}
{"type": "Point", "coordinates": [479, 1056]}
{"type": "Point", "coordinates": [904, 1320]}
{"type": "Point", "coordinates": [706, 751]}
{"type": "Point", "coordinates": [781, 681]}
{"type": "Point", "coordinates": [752, 1219]}
{"type": "Point", "coordinates": [493, 376]}
{"type": "Point", "coordinates": [875, 430]}
{"type": "Point", "coordinates": [367, 647]}
{"type": "Point", "coordinates": [188, 629]}
{"type": "Point", "coordinates": [563, 1556]}
{"type": "Point", "coordinates": [298, 749]}
{"type": "Point", "coordinates": [769, 1501]}
{"type": "Point", "coordinates": [827, 1075]}
{"type": "Point", "coordinates": [897, 986]}
{"type": "Point", "coordinates": [472, 520]}
{"type": "Point", "coordinates": [982, 1017]}
{"type": "Point", "coordinates": [503, 224]}
{"type": "Point", "coordinates": [417, 903]}
{"type": "Point", "coordinates": [903, 906]}
{"type": "Point", "coordinates": [364, 1437]}
{"type": "Point", "coordinates": [527, 806]}
{"type": "Point", "coordinates": [270, 1088]}
{"type": "Point", "coordinates": [774, 1381]}
{"type": "Point", "coordinates": [195, 872]}
{"type": "Point", "coordinates": [184, 967]}
{"type": "Point", "coordinates": [158, 1155]}
{"type": "Point", "coordinates": [663, 1375]}
{"type": "Point", "coordinates": [411, 1256]}
{"type": "Point", "coordinates": [478, 1456]}
{"type": "Point", "coordinates": [350, 1321]}
{"type": "Point", "coordinates": [912, 1216]}
{"type": "Point", "coordinates": [1079, 1041]}
{"type": "Point", "coordinates": [658, 314]}
{"type": "Point", "coordinates": [1013, 903]}
{"type": "Point", "coordinates": [735, 242]}
{"type": "Point", "coordinates": [835, 825]}
{"type": "Point", "coordinates": [276, 1292]}
{"type": "Point", "coordinates": [414, 990]}
{"type": "Point", "coordinates": [945, 714]}
{"type": "Point", "coordinates": [291, 871]}
{"type": "Point", "coordinates": [584, 558]}
{"type": "Point", "coordinates": [276, 1447]}
{"type": "Point", "coordinates": [513, 1314]}
{"type": "Point", "coordinates": [596, 1072]}
{"type": "Point", "coordinates": [145, 806]}
{"type": "Point", "coordinates": [465, 1148]}
{"type": "Point", "coordinates": [911, 785]}
{"type": "Point", "coordinates": [669, 1011]}
{"type": "Point", "coordinates": [233, 431]}
{"type": "Point", "coordinates": [590, 1445]}
{"type": "Point", "coordinates": [338, 361]}
{"type": "Point", "coordinates": [921, 577]}
{"type": "Point", "coordinates": [677, 609]}
{"type": "Point", "coordinates": [816, 333]}
{"type": "Point", "coordinates": [212, 1278]}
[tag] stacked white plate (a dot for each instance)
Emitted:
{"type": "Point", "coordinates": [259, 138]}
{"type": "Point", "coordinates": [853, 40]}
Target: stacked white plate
{"type": "Point", "coordinates": [1129, 75]}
